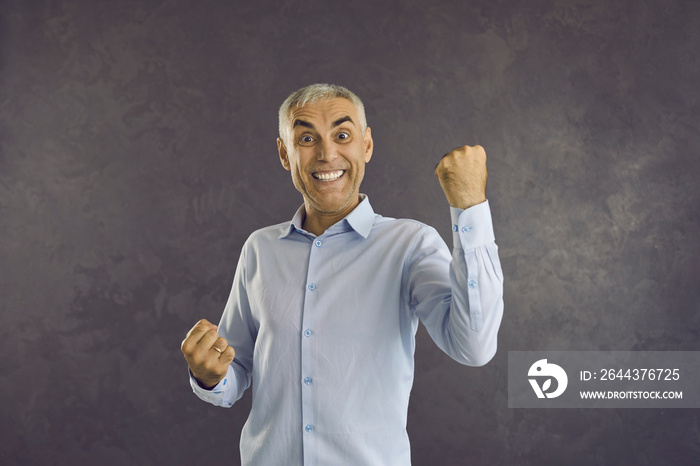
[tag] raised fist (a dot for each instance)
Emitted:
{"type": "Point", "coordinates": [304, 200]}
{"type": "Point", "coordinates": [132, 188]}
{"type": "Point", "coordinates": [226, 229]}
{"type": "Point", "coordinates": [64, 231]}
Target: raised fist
{"type": "Point", "coordinates": [462, 175]}
{"type": "Point", "coordinates": [207, 354]}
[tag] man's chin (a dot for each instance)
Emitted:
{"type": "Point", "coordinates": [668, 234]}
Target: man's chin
{"type": "Point", "coordinates": [335, 206]}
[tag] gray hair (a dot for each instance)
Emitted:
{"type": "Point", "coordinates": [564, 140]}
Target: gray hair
{"type": "Point", "coordinates": [312, 94]}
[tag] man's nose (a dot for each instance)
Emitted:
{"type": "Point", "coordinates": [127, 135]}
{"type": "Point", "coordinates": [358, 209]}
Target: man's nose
{"type": "Point", "coordinates": [327, 151]}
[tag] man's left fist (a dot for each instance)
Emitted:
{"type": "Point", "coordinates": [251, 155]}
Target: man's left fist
{"type": "Point", "coordinates": [462, 175]}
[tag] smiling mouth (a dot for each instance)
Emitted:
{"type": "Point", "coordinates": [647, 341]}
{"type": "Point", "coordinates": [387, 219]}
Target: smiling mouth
{"type": "Point", "coordinates": [328, 176]}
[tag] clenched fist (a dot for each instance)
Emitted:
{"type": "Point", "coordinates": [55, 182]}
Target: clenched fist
{"type": "Point", "coordinates": [462, 175]}
{"type": "Point", "coordinates": [207, 354]}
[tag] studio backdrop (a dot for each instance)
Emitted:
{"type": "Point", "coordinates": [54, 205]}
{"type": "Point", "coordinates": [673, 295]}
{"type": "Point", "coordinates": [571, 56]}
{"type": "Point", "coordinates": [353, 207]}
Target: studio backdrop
{"type": "Point", "coordinates": [137, 153]}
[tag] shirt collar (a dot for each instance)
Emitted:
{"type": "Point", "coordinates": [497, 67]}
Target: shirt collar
{"type": "Point", "coordinates": [361, 219]}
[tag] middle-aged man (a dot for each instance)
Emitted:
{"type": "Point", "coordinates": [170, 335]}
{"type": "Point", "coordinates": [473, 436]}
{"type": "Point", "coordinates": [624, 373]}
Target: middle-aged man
{"type": "Point", "coordinates": [324, 308]}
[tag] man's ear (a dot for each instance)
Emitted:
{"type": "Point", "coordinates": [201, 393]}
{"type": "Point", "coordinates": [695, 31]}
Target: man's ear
{"type": "Point", "coordinates": [284, 156]}
{"type": "Point", "coordinates": [369, 144]}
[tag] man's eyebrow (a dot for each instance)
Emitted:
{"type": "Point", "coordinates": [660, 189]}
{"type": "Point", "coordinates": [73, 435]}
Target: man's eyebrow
{"type": "Point", "coordinates": [303, 123]}
{"type": "Point", "coordinates": [340, 121]}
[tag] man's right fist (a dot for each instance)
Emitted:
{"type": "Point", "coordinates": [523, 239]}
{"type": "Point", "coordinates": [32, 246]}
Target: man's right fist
{"type": "Point", "coordinates": [207, 354]}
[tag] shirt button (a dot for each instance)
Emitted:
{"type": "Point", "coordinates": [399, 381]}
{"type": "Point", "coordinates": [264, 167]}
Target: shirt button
{"type": "Point", "coordinates": [308, 428]}
{"type": "Point", "coordinates": [318, 243]}
{"type": "Point", "coordinates": [308, 380]}
{"type": "Point", "coordinates": [472, 283]}
{"type": "Point", "coordinates": [307, 333]}
{"type": "Point", "coordinates": [466, 229]}
{"type": "Point", "coordinates": [312, 287]}
{"type": "Point", "coordinates": [454, 227]}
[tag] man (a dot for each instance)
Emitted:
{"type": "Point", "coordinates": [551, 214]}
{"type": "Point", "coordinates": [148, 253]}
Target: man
{"type": "Point", "coordinates": [324, 309]}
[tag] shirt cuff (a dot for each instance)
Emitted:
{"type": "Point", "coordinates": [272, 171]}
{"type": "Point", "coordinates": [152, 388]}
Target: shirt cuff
{"type": "Point", "coordinates": [216, 393]}
{"type": "Point", "coordinates": [472, 227]}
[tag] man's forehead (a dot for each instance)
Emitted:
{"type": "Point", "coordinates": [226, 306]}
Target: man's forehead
{"type": "Point", "coordinates": [326, 111]}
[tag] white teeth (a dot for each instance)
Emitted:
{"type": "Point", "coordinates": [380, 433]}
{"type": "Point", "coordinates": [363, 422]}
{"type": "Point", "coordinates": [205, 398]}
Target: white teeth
{"type": "Point", "coordinates": [329, 176]}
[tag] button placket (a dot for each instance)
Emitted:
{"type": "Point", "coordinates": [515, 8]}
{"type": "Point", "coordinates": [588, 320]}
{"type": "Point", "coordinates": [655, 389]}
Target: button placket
{"type": "Point", "coordinates": [308, 346]}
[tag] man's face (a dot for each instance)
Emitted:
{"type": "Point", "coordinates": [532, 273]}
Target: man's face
{"type": "Point", "coordinates": [327, 156]}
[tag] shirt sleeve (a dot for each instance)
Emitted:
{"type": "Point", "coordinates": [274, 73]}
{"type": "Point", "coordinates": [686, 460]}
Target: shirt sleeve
{"type": "Point", "coordinates": [237, 328]}
{"type": "Point", "coordinates": [459, 299]}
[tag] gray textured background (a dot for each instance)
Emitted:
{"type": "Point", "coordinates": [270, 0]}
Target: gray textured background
{"type": "Point", "coordinates": [137, 152]}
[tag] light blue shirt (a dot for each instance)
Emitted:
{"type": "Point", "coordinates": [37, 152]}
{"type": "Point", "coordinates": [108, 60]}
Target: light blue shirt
{"type": "Point", "coordinates": [325, 328]}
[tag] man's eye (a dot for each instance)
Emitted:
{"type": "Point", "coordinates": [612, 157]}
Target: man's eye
{"type": "Point", "coordinates": [306, 139]}
{"type": "Point", "coordinates": [343, 136]}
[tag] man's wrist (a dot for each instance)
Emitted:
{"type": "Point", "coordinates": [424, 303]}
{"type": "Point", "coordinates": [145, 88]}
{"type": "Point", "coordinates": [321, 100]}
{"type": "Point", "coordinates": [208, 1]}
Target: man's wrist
{"type": "Point", "coordinates": [203, 383]}
{"type": "Point", "coordinates": [466, 203]}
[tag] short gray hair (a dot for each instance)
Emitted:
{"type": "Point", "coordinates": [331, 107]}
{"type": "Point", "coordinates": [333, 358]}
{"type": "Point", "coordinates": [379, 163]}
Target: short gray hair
{"type": "Point", "coordinates": [312, 94]}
